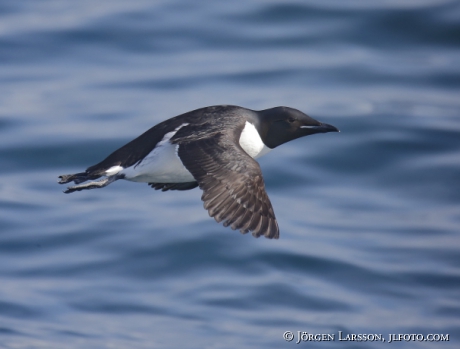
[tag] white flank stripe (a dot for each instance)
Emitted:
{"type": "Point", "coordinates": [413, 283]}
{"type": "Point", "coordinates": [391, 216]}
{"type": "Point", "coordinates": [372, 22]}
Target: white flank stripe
{"type": "Point", "coordinates": [169, 135]}
{"type": "Point", "coordinates": [113, 170]}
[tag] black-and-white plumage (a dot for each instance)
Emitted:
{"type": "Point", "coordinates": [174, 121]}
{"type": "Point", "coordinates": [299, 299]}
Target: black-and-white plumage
{"type": "Point", "coordinates": [213, 148]}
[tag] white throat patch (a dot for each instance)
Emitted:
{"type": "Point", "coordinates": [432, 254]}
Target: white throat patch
{"type": "Point", "coordinates": [251, 142]}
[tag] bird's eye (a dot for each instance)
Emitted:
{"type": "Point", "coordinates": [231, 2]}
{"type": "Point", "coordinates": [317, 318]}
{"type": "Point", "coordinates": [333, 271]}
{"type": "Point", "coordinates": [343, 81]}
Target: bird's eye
{"type": "Point", "coordinates": [291, 119]}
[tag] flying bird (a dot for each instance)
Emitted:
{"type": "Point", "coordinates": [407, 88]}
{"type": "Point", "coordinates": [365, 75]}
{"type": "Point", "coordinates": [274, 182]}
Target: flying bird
{"type": "Point", "coordinates": [213, 148]}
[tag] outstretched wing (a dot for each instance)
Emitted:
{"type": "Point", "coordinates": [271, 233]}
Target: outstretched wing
{"type": "Point", "coordinates": [232, 184]}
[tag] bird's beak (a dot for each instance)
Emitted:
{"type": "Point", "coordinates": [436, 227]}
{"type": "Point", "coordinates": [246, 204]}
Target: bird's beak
{"type": "Point", "coordinates": [322, 128]}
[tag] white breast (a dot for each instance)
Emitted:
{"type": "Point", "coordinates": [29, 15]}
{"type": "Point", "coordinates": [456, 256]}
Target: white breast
{"type": "Point", "coordinates": [161, 165]}
{"type": "Point", "coordinates": [251, 142]}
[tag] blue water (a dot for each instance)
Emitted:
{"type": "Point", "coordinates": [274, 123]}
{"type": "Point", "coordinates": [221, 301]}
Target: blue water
{"type": "Point", "coordinates": [369, 217]}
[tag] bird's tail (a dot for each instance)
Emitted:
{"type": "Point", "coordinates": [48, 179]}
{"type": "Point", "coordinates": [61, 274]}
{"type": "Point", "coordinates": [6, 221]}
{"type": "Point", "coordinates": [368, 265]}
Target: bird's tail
{"type": "Point", "coordinates": [81, 177]}
{"type": "Point", "coordinates": [77, 178]}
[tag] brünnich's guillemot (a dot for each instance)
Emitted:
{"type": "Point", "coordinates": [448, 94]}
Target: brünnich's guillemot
{"type": "Point", "coordinates": [213, 148]}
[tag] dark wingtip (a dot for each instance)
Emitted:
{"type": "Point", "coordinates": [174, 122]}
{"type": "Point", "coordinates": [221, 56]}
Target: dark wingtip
{"type": "Point", "coordinates": [268, 234]}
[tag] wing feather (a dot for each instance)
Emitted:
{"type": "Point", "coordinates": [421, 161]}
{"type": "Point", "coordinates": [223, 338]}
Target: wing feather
{"type": "Point", "coordinates": [232, 183]}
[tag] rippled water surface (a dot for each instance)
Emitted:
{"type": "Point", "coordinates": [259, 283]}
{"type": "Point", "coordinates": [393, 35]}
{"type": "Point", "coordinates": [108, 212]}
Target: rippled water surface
{"type": "Point", "coordinates": [369, 217]}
